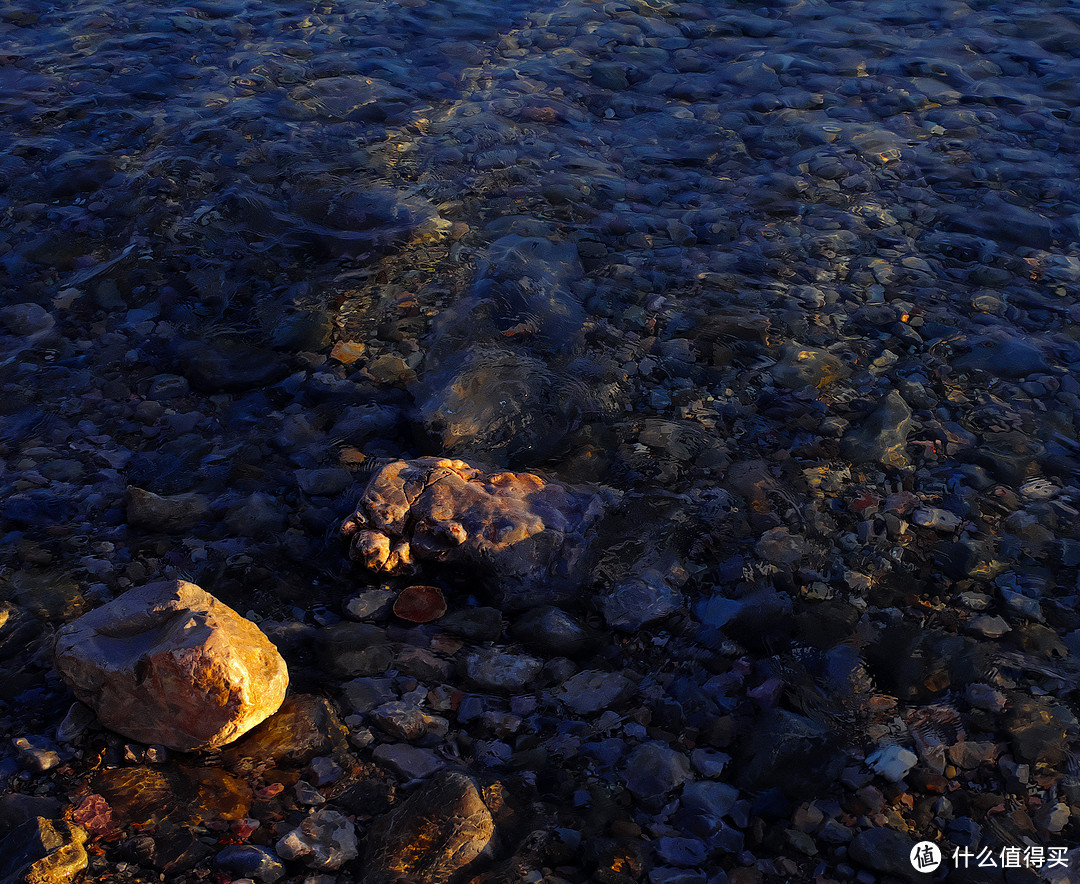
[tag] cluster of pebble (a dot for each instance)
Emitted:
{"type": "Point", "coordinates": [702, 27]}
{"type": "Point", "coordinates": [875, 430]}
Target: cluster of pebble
{"type": "Point", "coordinates": [783, 299]}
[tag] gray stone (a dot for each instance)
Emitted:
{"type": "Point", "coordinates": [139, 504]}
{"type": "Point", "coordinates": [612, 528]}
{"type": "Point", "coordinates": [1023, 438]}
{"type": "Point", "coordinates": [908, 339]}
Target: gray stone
{"type": "Point", "coordinates": [365, 693]}
{"type": "Point", "coordinates": [715, 799]}
{"type": "Point", "coordinates": [26, 319]}
{"type": "Point", "coordinates": [591, 691]}
{"type": "Point", "coordinates": [323, 482]}
{"type": "Point", "coordinates": [408, 761]}
{"type": "Point", "coordinates": [969, 754]}
{"type": "Point", "coordinates": [882, 436]}
{"type": "Point", "coordinates": [373, 604]}
{"type": "Point", "coordinates": [780, 547]}
{"type": "Point", "coordinates": [501, 671]}
{"type": "Point", "coordinates": [406, 721]}
{"type": "Point", "coordinates": [640, 601]}
{"type": "Point", "coordinates": [324, 770]}
{"type": "Point", "coordinates": [654, 769]}
{"type": "Point", "coordinates": [325, 840]}
{"type": "Point", "coordinates": [550, 630]}
{"type": "Point", "coordinates": [351, 649]}
{"type": "Point", "coordinates": [36, 753]}
{"type": "Point", "coordinates": [169, 514]}
{"type": "Point", "coordinates": [885, 850]}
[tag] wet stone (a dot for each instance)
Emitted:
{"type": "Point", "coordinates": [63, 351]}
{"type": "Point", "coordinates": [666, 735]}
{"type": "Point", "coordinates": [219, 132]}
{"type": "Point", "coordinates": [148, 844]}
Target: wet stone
{"type": "Point", "coordinates": [251, 861]}
{"type": "Point", "coordinates": [639, 602]}
{"type": "Point", "coordinates": [882, 436]}
{"type": "Point", "coordinates": [374, 604]}
{"type": "Point", "coordinates": [884, 850]}
{"type": "Point", "coordinates": [325, 840]}
{"type": "Point", "coordinates": [589, 691]}
{"type": "Point", "coordinates": [171, 514]}
{"type": "Point", "coordinates": [303, 728]}
{"type": "Point", "coordinates": [351, 649]}
{"type": "Point", "coordinates": [409, 762]}
{"type": "Point", "coordinates": [43, 851]}
{"type": "Point", "coordinates": [653, 770]}
{"type": "Point", "coordinates": [435, 832]}
{"type": "Point", "coordinates": [501, 671]}
{"type": "Point", "coordinates": [551, 631]}
{"type": "Point", "coordinates": [420, 604]}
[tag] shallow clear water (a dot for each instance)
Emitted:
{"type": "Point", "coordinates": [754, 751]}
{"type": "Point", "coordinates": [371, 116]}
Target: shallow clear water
{"type": "Point", "coordinates": [798, 279]}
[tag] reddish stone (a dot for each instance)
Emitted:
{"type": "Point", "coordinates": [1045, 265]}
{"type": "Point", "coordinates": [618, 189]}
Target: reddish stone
{"type": "Point", "coordinates": [420, 604]}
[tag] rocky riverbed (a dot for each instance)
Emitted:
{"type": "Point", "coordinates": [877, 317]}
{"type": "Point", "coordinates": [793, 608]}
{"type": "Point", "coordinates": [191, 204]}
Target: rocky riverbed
{"type": "Point", "coordinates": [779, 305]}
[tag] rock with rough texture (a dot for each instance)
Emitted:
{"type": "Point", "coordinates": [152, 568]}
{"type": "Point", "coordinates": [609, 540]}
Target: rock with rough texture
{"type": "Point", "coordinates": [882, 437]}
{"type": "Point", "coordinates": [493, 670]}
{"type": "Point", "coordinates": [326, 840]}
{"type": "Point", "coordinates": [654, 769]}
{"type": "Point", "coordinates": [590, 691]}
{"type": "Point", "coordinates": [170, 514]}
{"type": "Point", "coordinates": [170, 664]}
{"type": "Point", "coordinates": [439, 829]}
{"type": "Point", "coordinates": [887, 851]}
{"type": "Point", "coordinates": [640, 601]}
{"type": "Point", "coordinates": [526, 535]}
{"type": "Point", "coordinates": [42, 851]}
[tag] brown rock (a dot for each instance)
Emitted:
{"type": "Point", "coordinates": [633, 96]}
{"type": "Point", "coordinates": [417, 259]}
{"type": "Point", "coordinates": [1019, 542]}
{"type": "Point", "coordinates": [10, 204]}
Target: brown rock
{"type": "Point", "coordinates": [439, 829]}
{"type": "Point", "coordinates": [526, 534]}
{"type": "Point", "coordinates": [170, 664]}
{"type": "Point", "coordinates": [172, 514]}
{"type": "Point", "coordinates": [420, 604]}
{"type": "Point", "coordinates": [304, 726]}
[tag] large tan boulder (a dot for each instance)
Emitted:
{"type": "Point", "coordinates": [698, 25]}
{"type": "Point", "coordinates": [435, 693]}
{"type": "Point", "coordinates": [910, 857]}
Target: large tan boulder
{"type": "Point", "coordinates": [170, 664]}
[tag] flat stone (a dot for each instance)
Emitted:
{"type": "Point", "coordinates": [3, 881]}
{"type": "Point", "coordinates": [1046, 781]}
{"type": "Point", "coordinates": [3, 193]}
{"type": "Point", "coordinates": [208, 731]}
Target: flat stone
{"type": "Point", "coordinates": [169, 664]}
{"type": "Point", "coordinates": [420, 604]}
{"type": "Point", "coordinates": [170, 514]}
{"type": "Point", "coordinates": [639, 602]}
{"type": "Point", "coordinates": [437, 831]}
{"type": "Point", "coordinates": [501, 671]}
{"type": "Point", "coordinates": [654, 769]}
{"type": "Point", "coordinates": [407, 761]}
{"type": "Point", "coordinates": [590, 691]}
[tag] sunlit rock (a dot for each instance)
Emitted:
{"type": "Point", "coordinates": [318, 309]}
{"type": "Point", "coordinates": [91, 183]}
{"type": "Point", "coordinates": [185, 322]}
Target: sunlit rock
{"type": "Point", "coordinates": [526, 535]}
{"type": "Point", "coordinates": [170, 664]}
{"type": "Point", "coordinates": [439, 829]}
